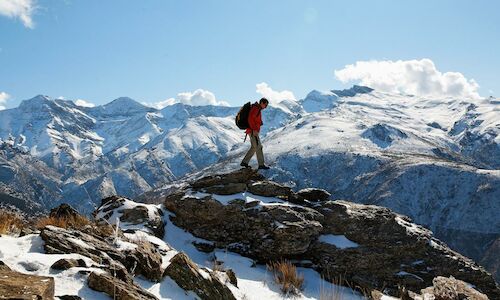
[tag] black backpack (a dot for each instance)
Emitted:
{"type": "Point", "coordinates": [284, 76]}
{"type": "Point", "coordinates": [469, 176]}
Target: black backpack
{"type": "Point", "coordinates": [242, 116]}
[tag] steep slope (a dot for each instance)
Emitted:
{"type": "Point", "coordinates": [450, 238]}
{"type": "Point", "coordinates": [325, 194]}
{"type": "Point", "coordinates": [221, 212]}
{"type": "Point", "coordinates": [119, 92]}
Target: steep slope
{"type": "Point", "coordinates": [26, 182]}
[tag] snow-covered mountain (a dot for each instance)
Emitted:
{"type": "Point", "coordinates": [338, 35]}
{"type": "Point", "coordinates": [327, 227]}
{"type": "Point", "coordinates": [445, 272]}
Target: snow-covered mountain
{"type": "Point", "coordinates": [435, 160]}
{"type": "Point", "coordinates": [122, 147]}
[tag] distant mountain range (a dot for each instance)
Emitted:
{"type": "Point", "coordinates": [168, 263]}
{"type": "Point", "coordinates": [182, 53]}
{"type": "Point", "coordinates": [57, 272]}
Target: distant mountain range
{"type": "Point", "coordinates": [436, 160]}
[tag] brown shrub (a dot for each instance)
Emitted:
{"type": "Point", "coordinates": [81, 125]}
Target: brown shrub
{"type": "Point", "coordinates": [10, 222]}
{"type": "Point", "coordinates": [285, 274]}
{"type": "Point", "coordinates": [64, 222]}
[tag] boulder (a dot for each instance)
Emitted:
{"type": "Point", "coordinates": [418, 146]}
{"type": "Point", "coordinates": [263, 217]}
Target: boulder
{"type": "Point", "coordinates": [63, 211]}
{"type": "Point", "coordinates": [227, 189]}
{"type": "Point", "coordinates": [269, 189]}
{"type": "Point", "coordinates": [203, 246]}
{"type": "Point", "coordinates": [67, 241]}
{"type": "Point", "coordinates": [15, 285]}
{"type": "Point", "coordinates": [239, 176]}
{"type": "Point", "coordinates": [263, 232]}
{"type": "Point", "coordinates": [117, 289]}
{"type": "Point", "coordinates": [202, 282]}
{"type": "Point", "coordinates": [145, 260]}
{"type": "Point", "coordinates": [67, 263]}
{"type": "Point", "coordinates": [444, 288]}
{"type": "Point", "coordinates": [136, 216]}
{"type": "Point", "coordinates": [314, 195]}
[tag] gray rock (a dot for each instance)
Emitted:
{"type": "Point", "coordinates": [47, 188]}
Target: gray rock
{"type": "Point", "coordinates": [138, 215]}
{"type": "Point", "coordinates": [444, 288]}
{"type": "Point", "coordinates": [63, 211]}
{"type": "Point", "coordinates": [313, 194]}
{"type": "Point", "coordinates": [269, 189]}
{"type": "Point", "coordinates": [15, 285]}
{"type": "Point", "coordinates": [227, 189]}
{"type": "Point", "coordinates": [67, 263]}
{"type": "Point", "coordinates": [267, 232]}
{"type": "Point", "coordinates": [67, 241]}
{"type": "Point", "coordinates": [145, 260]}
{"type": "Point", "coordinates": [117, 289]}
{"type": "Point", "coordinates": [191, 278]}
{"type": "Point", "coordinates": [239, 176]}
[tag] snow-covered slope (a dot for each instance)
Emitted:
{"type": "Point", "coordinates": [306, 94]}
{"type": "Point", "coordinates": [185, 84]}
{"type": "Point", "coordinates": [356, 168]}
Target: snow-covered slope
{"type": "Point", "coordinates": [121, 147]}
{"type": "Point", "coordinates": [435, 160]}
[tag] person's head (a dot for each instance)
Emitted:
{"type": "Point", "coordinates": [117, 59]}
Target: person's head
{"type": "Point", "coordinates": [263, 103]}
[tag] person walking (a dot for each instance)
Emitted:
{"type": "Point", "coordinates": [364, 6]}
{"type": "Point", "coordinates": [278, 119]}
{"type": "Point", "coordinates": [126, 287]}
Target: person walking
{"type": "Point", "coordinates": [254, 123]}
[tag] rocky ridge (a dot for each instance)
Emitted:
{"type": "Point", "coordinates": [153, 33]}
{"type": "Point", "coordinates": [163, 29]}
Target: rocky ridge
{"type": "Point", "coordinates": [143, 251]}
{"type": "Point", "coordinates": [389, 251]}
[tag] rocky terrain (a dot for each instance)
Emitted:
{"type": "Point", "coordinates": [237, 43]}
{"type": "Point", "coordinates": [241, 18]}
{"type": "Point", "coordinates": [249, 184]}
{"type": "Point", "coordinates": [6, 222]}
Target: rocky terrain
{"type": "Point", "coordinates": [211, 238]}
{"type": "Point", "coordinates": [432, 159]}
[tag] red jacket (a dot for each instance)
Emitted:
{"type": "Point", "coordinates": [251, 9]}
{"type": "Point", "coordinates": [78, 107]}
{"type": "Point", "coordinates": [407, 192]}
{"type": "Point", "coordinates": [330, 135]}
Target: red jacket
{"type": "Point", "coordinates": [254, 118]}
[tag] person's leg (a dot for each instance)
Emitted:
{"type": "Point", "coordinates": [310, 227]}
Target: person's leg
{"type": "Point", "coordinates": [260, 154]}
{"type": "Point", "coordinates": [251, 151]}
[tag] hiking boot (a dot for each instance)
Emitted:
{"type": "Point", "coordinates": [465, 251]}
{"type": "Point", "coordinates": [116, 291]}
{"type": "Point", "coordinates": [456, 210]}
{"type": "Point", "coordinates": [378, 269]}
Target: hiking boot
{"type": "Point", "coordinates": [244, 165]}
{"type": "Point", "coordinates": [264, 167]}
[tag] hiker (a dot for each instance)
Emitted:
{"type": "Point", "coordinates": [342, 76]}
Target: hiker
{"type": "Point", "coordinates": [254, 123]}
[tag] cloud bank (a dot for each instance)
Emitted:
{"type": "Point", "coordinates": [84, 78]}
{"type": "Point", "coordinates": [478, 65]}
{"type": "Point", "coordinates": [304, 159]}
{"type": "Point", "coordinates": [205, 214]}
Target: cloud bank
{"type": "Point", "coordinates": [417, 77]}
{"type": "Point", "coordinates": [199, 97]}
{"type": "Point", "coordinates": [21, 9]}
{"type": "Point", "coordinates": [3, 98]}
{"type": "Point", "coordinates": [273, 96]}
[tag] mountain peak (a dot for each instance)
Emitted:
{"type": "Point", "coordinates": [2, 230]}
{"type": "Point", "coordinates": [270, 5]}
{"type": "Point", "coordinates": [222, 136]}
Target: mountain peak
{"type": "Point", "coordinates": [36, 101]}
{"type": "Point", "coordinates": [122, 106]}
{"type": "Point", "coordinates": [356, 89]}
{"type": "Point", "coordinates": [124, 101]}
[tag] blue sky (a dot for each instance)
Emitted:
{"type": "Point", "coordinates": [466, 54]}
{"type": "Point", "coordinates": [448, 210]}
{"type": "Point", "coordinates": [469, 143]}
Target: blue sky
{"type": "Point", "coordinates": [153, 50]}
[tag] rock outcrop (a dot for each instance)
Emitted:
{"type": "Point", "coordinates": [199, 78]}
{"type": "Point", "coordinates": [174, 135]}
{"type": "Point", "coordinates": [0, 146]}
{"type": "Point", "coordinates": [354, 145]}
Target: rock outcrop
{"type": "Point", "coordinates": [203, 282]}
{"type": "Point", "coordinates": [117, 289]}
{"type": "Point", "coordinates": [64, 264]}
{"type": "Point", "coordinates": [392, 251]}
{"type": "Point", "coordinates": [135, 216]}
{"type": "Point", "coordinates": [15, 285]}
{"type": "Point", "coordinates": [143, 259]}
{"type": "Point", "coordinates": [260, 231]}
{"type": "Point", "coordinates": [447, 289]}
{"type": "Point", "coordinates": [367, 246]}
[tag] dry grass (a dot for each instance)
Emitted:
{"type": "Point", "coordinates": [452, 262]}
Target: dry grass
{"type": "Point", "coordinates": [333, 290]}
{"type": "Point", "coordinates": [285, 274]}
{"type": "Point", "coordinates": [67, 222]}
{"type": "Point", "coordinates": [10, 222]}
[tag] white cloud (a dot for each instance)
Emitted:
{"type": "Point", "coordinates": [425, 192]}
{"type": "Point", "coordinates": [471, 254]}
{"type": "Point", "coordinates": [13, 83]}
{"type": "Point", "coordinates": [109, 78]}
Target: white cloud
{"type": "Point", "coordinates": [3, 98]}
{"type": "Point", "coordinates": [417, 77]}
{"type": "Point", "coordinates": [22, 9]}
{"type": "Point", "coordinates": [84, 103]}
{"type": "Point", "coordinates": [199, 97]}
{"type": "Point", "coordinates": [273, 96]}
